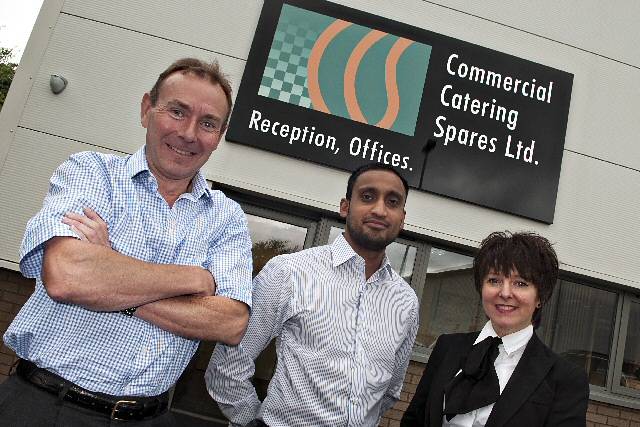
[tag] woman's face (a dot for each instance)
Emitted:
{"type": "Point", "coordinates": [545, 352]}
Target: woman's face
{"type": "Point", "coordinates": [508, 301]}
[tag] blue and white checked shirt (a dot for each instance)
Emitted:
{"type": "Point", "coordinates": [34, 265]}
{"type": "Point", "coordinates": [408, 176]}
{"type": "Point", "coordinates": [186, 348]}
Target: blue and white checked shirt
{"type": "Point", "coordinates": [110, 352]}
{"type": "Point", "coordinates": [343, 342]}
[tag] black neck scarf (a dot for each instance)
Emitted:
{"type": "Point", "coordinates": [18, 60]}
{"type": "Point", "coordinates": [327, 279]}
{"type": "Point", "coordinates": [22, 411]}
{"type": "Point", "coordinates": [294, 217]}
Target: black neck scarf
{"type": "Point", "coordinates": [477, 385]}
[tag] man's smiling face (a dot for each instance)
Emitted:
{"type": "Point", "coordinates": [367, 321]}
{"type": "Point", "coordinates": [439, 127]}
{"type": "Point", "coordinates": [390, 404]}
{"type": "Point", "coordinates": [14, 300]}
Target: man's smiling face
{"type": "Point", "coordinates": [184, 127]}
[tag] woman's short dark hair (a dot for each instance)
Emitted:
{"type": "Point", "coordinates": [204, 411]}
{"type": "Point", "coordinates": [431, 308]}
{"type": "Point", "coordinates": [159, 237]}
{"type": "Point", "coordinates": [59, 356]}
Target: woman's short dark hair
{"type": "Point", "coordinates": [529, 253]}
{"type": "Point", "coordinates": [202, 69]}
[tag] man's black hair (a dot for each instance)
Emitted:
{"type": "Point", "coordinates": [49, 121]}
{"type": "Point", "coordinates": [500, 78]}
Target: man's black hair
{"type": "Point", "coordinates": [373, 167]}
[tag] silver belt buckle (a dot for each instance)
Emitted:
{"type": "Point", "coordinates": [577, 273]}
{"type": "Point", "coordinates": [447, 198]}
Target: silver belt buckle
{"type": "Point", "coordinates": [115, 408]}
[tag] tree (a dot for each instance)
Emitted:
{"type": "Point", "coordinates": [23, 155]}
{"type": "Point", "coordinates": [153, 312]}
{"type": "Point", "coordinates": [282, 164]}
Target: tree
{"type": "Point", "coordinates": [7, 71]}
{"type": "Point", "coordinates": [264, 250]}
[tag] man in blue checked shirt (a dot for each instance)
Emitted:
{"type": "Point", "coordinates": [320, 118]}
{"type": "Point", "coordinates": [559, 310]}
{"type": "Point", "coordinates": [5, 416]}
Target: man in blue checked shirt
{"type": "Point", "coordinates": [135, 260]}
{"type": "Point", "coordinates": [344, 322]}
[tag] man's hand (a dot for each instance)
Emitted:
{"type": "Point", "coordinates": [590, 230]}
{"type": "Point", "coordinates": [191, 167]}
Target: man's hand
{"type": "Point", "coordinates": [90, 227]}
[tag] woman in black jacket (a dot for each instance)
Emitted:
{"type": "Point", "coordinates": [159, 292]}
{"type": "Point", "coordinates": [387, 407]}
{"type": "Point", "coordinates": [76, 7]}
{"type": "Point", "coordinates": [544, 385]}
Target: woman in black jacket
{"type": "Point", "coordinates": [503, 375]}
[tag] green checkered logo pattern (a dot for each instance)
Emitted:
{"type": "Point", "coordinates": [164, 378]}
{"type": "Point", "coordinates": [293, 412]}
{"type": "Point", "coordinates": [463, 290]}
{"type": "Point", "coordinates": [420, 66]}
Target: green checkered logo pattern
{"type": "Point", "coordinates": [285, 76]}
{"type": "Point", "coordinates": [337, 67]}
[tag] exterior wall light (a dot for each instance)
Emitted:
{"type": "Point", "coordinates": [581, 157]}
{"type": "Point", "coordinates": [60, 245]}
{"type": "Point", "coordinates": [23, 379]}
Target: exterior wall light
{"type": "Point", "coordinates": [57, 83]}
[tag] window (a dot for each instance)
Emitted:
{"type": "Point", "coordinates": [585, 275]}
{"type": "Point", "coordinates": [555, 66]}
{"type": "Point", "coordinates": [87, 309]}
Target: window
{"type": "Point", "coordinates": [596, 329]}
{"type": "Point", "coordinates": [631, 362]}
{"type": "Point", "coordinates": [450, 302]}
{"type": "Point", "coordinates": [627, 368]}
{"type": "Point", "coordinates": [579, 326]}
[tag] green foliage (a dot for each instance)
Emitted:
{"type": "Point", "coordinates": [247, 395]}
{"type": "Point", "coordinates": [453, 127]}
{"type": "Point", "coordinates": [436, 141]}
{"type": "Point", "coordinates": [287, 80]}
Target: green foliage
{"type": "Point", "coordinates": [264, 250]}
{"type": "Point", "coordinates": [7, 71]}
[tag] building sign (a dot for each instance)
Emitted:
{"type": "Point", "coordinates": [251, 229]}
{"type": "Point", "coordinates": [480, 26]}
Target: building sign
{"type": "Point", "coordinates": [342, 87]}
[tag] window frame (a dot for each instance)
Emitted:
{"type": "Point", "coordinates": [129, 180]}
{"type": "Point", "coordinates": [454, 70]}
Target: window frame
{"type": "Point", "coordinates": [310, 224]}
{"type": "Point", "coordinates": [616, 387]}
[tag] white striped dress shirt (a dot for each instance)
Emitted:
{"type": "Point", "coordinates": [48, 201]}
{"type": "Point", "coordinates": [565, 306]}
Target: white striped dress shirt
{"type": "Point", "coordinates": [343, 342]}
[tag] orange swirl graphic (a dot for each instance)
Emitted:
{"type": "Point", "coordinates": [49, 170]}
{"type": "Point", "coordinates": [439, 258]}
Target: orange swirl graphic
{"type": "Point", "coordinates": [313, 64]}
{"type": "Point", "coordinates": [351, 70]}
{"type": "Point", "coordinates": [393, 98]}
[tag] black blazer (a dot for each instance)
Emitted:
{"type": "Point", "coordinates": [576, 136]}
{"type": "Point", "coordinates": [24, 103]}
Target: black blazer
{"type": "Point", "coordinates": [544, 390]}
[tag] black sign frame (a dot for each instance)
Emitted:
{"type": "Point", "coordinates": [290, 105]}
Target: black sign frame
{"type": "Point", "coordinates": [510, 170]}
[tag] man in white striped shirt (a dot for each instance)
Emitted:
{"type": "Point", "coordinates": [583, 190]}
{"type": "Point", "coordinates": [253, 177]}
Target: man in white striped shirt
{"type": "Point", "coordinates": [344, 322]}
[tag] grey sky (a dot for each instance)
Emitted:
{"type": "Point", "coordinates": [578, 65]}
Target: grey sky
{"type": "Point", "coordinates": [16, 22]}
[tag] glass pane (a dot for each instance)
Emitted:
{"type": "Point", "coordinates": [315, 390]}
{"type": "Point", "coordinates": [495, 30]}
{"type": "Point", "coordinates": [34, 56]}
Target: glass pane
{"type": "Point", "coordinates": [270, 238]}
{"type": "Point", "coordinates": [401, 257]}
{"type": "Point", "coordinates": [631, 362]}
{"type": "Point", "coordinates": [583, 328]}
{"type": "Point", "coordinates": [450, 302]}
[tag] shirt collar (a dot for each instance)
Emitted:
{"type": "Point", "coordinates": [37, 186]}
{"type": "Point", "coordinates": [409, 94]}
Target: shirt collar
{"type": "Point", "coordinates": [511, 342]}
{"type": "Point", "coordinates": [137, 163]}
{"type": "Point", "coordinates": [341, 252]}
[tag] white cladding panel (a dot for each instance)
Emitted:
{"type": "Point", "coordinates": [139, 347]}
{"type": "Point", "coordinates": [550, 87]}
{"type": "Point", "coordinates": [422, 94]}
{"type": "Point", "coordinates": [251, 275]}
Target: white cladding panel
{"type": "Point", "coordinates": [112, 51]}
{"type": "Point", "coordinates": [601, 27]}
{"type": "Point", "coordinates": [224, 26]}
{"type": "Point", "coordinates": [598, 83]}
{"type": "Point", "coordinates": [24, 181]}
{"type": "Point", "coordinates": [592, 25]}
{"type": "Point", "coordinates": [101, 104]}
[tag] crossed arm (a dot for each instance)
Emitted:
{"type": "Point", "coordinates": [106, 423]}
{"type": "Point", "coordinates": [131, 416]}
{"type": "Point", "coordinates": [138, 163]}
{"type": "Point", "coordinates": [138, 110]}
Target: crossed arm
{"type": "Point", "coordinates": [180, 299]}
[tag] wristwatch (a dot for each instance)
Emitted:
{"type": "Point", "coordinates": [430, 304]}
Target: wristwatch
{"type": "Point", "coordinates": [129, 311]}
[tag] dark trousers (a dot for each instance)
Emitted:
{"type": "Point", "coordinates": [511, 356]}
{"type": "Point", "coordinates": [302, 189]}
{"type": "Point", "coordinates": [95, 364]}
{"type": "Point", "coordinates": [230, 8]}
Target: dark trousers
{"type": "Point", "coordinates": [24, 404]}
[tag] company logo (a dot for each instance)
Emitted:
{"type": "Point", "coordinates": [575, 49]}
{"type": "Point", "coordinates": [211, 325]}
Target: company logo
{"type": "Point", "coordinates": [344, 69]}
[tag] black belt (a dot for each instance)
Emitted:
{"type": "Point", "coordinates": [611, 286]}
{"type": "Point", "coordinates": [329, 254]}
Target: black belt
{"type": "Point", "coordinates": [116, 407]}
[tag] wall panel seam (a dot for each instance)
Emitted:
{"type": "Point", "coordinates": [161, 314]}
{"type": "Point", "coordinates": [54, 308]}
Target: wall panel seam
{"type": "Point", "coordinates": [74, 140]}
{"type": "Point", "coordinates": [430, 233]}
{"type": "Point", "coordinates": [153, 35]}
{"type": "Point", "coordinates": [602, 160]}
{"type": "Point", "coordinates": [617, 278]}
{"type": "Point", "coordinates": [532, 34]}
